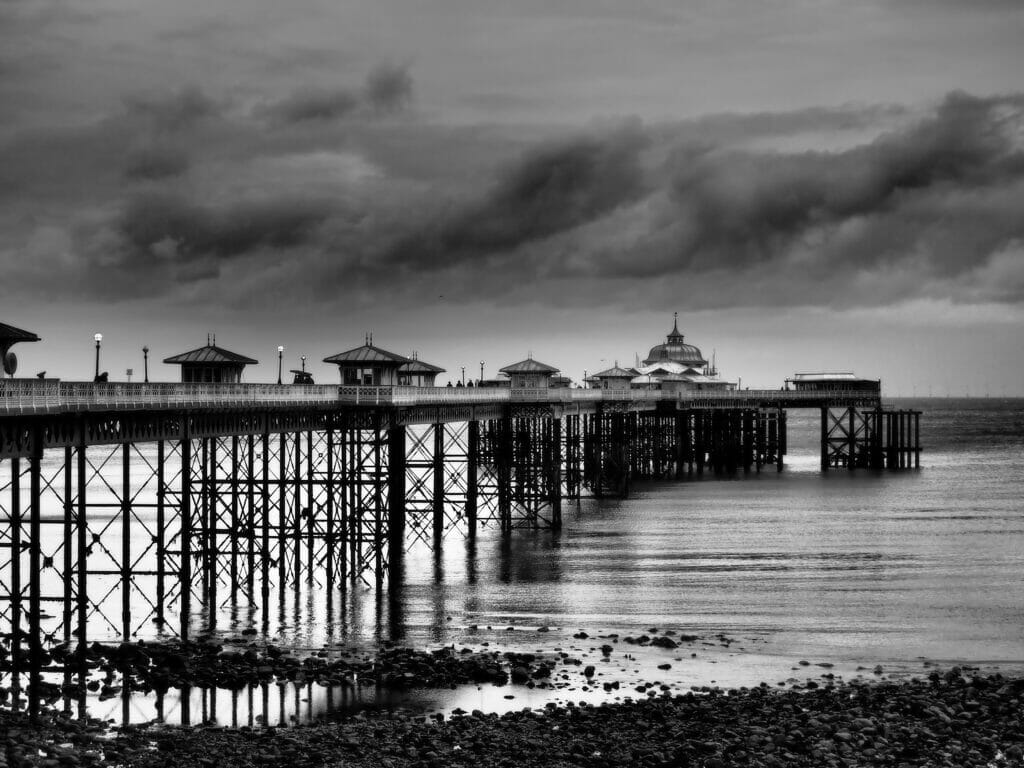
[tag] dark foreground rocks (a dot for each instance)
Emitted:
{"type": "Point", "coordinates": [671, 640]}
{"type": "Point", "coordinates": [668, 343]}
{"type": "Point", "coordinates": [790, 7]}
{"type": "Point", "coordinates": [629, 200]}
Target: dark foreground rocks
{"type": "Point", "coordinates": [146, 667]}
{"type": "Point", "coordinates": [945, 720]}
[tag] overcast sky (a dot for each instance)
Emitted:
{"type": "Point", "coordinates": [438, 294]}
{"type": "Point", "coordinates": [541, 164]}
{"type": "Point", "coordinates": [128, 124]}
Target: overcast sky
{"type": "Point", "coordinates": [811, 184]}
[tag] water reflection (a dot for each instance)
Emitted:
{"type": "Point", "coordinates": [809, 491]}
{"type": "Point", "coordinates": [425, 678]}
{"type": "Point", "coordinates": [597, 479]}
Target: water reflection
{"type": "Point", "coordinates": [265, 704]}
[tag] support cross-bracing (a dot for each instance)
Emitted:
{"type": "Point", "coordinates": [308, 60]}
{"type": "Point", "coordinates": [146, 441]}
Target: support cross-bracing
{"type": "Point", "coordinates": [165, 523]}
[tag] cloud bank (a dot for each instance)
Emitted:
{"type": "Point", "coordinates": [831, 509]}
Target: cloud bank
{"type": "Point", "coordinates": [322, 193]}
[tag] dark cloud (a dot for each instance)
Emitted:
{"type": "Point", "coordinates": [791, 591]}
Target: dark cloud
{"type": "Point", "coordinates": [904, 215]}
{"type": "Point", "coordinates": [169, 228]}
{"type": "Point", "coordinates": [387, 89]}
{"type": "Point", "coordinates": [742, 208]}
{"type": "Point", "coordinates": [174, 110]}
{"type": "Point", "coordinates": [551, 190]}
{"type": "Point", "coordinates": [309, 104]}
{"type": "Point", "coordinates": [930, 208]}
{"type": "Point", "coordinates": [155, 162]}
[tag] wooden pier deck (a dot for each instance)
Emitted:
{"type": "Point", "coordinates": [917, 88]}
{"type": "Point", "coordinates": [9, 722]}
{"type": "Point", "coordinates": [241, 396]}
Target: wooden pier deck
{"type": "Point", "coordinates": [51, 396]}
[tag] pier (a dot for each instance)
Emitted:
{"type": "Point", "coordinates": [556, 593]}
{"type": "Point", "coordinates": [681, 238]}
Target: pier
{"type": "Point", "coordinates": [138, 510]}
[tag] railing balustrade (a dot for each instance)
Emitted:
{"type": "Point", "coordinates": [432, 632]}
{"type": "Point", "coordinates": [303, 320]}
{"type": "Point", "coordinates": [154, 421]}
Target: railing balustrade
{"type": "Point", "coordinates": [27, 396]}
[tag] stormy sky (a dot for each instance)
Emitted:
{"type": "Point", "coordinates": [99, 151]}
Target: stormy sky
{"type": "Point", "coordinates": [812, 185]}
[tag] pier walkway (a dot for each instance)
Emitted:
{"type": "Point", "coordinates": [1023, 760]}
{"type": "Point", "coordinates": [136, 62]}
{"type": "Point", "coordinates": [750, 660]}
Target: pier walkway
{"type": "Point", "coordinates": [51, 396]}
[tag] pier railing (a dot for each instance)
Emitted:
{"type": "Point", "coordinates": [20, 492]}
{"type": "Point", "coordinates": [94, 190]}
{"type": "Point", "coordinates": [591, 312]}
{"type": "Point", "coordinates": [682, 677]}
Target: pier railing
{"type": "Point", "coordinates": [30, 396]}
{"type": "Point", "coordinates": [27, 396]}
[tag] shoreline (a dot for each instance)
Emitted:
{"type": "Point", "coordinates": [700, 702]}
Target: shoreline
{"type": "Point", "coordinates": [960, 716]}
{"type": "Point", "coordinates": [950, 718]}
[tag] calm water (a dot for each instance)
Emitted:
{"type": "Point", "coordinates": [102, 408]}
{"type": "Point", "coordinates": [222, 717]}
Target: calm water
{"type": "Point", "coordinates": [851, 565]}
{"type": "Point", "coordinates": [854, 569]}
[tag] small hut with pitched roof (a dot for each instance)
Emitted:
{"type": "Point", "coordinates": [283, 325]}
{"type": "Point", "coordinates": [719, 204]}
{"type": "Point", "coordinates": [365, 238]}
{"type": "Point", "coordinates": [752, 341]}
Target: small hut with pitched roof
{"type": "Point", "coordinates": [210, 365]}
{"type": "Point", "coordinates": [368, 366]}
{"type": "Point", "coordinates": [613, 378]}
{"type": "Point", "coordinates": [417, 373]}
{"type": "Point", "coordinates": [530, 374]}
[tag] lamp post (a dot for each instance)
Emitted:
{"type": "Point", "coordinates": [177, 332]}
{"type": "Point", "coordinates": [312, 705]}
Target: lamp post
{"type": "Point", "coordinates": [98, 337]}
{"type": "Point", "coordinates": [280, 360]}
{"type": "Point", "coordinates": [463, 375]}
{"type": "Point", "coordinates": [584, 378]}
{"type": "Point", "coordinates": [303, 363]}
{"type": "Point", "coordinates": [145, 365]}
{"type": "Point", "coordinates": [481, 371]}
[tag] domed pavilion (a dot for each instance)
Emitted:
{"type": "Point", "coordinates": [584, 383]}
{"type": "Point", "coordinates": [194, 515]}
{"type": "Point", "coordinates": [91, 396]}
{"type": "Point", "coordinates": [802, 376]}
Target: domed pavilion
{"type": "Point", "coordinates": [676, 365]}
{"type": "Point", "coordinates": [675, 350]}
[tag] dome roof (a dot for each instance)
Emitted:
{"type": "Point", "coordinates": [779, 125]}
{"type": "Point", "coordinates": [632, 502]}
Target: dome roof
{"type": "Point", "coordinates": [675, 350]}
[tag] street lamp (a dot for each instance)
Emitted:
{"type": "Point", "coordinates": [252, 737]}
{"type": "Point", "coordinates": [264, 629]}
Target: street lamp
{"type": "Point", "coordinates": [584, 378]}
{"type": "Point", "coordinates": [463, 375]}
{"type": "Point", "coordinates": [481, 371]}
{"type": "Point", "coordinates": [280, 359]}
{"type": "Point", "coordinates": [145, 365]}
{"type": "Point", "coordinates": [98, 337]}
{"type": "Point", "coordinates": [303, 363]}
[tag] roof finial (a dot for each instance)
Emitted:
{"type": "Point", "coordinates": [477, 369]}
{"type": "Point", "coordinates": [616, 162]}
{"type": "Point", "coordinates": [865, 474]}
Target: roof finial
{"type": "Point", "coordinates": [215, 338]}
{"type": "Point", "coordinates": [371, 338]}
{"type": "Point", "coordinates": [207, 338]}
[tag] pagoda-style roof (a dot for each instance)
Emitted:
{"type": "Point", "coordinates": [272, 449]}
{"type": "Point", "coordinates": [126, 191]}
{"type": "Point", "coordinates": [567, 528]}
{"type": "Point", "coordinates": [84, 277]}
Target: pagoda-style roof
{"type": "Point", "coordinates": [211, 354]}
{"type": "Point", "coordinates": [367, 353]}
{"type": "Point", "coordinates": [11, 335]}
{"type": "Point", "coordinates": [418, 366]}
{"type": "Point", "coordinates": [529, 366]}
{"type": "Point", "coordinates": [615, 373]}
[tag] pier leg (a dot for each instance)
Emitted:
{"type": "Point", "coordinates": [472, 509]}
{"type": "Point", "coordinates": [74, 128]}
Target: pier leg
{"type": "Point", "coordinates": [782, 440]}
{"type": "Point", "coordinates": [265, 555]}
{"type": "Point", "coordinates": [126, 541]}
{"type": "Point", "coordinates": [81, 549]}
{"type": "Point", "coordinates": [68, 538]}
{"type": "Point", "coordinates": [555, 477]}
{"type": "Point", "coordinates": [472, 480]}
{"type": "Point", "coordinates": [396, 500]}
{"type": "Point", "coordinates": [439, 489]}
{"type": "Point", "coordinates": [504, 458]}
{"type": "Point", "coordinates": [824, 439]}
{"type": "Point", "coordinates": [35, 639]}
{"type": "Point", "coordinates": [185, 559]}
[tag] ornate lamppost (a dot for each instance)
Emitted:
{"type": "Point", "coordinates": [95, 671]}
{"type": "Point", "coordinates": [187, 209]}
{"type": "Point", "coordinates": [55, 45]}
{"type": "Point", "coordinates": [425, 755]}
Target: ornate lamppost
{"type": "Point", "coordinates": [481, 371]}
{"type": "Point", "coordinates": [98, 338]}
{"type": "Point", "coordinates": [280, 359]}
{"type": "Point", "coordinates": [145, 365]}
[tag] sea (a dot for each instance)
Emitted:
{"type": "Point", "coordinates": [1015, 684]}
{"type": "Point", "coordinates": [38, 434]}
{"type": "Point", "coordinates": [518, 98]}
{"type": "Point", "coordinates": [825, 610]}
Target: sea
{"type": "Point", "coordinates": [785, 578]}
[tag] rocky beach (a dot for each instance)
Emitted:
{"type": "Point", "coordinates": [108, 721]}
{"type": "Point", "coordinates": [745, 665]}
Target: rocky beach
{"type": "Point", "coordinates": [953, 717]}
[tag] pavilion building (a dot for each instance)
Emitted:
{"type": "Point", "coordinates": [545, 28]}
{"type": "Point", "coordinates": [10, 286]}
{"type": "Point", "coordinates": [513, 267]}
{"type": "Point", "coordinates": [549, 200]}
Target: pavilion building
{"type": "Point", "coordinates": [417, 373]}
{"type": "Point", "coordinates": [613, 378]}
{"type": "Point", "coordinates": [368, 366]}
{"type": "Point", "coordinates": [676, 365]}
{"type": "Point", "coordinates": [371, 366]}
{"type": "Point", "coordinates": [530, 374]}
{"type": "Point", "coordinates": [211, 365]}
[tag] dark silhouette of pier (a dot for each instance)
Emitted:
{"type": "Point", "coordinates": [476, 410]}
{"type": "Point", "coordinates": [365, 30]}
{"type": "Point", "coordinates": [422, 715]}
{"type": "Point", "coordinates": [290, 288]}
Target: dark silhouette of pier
{"type": "Point", "coordinates": [125, 507]}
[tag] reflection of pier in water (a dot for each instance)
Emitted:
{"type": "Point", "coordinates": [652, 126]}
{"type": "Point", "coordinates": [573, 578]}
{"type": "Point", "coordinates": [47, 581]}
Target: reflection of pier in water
{"type": "Point", "coordinates": [146, 510]}
{"type": "Point", "coordinates": [254, 705]}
